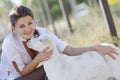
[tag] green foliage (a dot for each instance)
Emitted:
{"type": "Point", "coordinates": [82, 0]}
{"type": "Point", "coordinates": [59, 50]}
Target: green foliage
{"type": "Point", "coordinates": [115, 9]}
{"type": "Point", "coordinates": [24, 2]}
{"type": "Point", "coordinates": [79, 1]}
{"type": "Point", "coordinates": [56, 10]}
{"type": "Point", "coordinates": [7, 4]}
{"type": "Point", "coordinates": [37, 10]}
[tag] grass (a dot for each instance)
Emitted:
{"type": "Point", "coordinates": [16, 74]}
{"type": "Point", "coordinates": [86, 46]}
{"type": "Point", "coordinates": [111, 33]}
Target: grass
{"type": "Point", "coordinates": [89, 30]}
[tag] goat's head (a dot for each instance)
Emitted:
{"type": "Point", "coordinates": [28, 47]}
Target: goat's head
{"type": "Point", "coordinates": [40, 42]}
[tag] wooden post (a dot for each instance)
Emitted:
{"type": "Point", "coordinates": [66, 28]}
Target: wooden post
{"type": "Point", "coordinates": [108, 18]}
{"type": "Point", "coordinates": [65, 13]}
{"type": "Point", "coordinates": [49, 15]}
{"type": "Point", "coordinates": [40, 7]}
{"type": "Point", "coordinates": [72, 4]}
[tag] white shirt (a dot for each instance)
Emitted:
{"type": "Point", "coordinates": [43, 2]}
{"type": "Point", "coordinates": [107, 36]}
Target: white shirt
{"type": "Point", "coordinates": [13, 50]}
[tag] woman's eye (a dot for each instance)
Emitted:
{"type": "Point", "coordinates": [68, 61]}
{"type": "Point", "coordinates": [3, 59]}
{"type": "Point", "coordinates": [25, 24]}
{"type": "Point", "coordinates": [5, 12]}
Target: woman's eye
{"type": "Point", "coordinates": [30, 23]}
{"type": "Point", "coordinates": [41, 41]}
{"type": "Point", "coordinates": [21, 26]}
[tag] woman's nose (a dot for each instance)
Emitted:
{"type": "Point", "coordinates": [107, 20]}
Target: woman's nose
{"type": "Point", "coordinates": [27, 28]}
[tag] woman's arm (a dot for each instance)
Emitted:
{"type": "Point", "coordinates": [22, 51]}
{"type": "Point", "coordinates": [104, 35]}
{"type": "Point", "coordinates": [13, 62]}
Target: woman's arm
{"type": "Point", "coordinates": [63, 47]}
{"type": "Point", "coordinates": [103, 50]}
{"type": "Point", "coordinates": [42, 56]}
{"type": "Point", "coordinates": [27, 69]}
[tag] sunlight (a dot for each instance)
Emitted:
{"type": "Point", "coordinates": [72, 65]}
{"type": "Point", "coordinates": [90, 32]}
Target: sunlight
{"type": "Point", "coordinates": [112, 2]}
{"type": "Point", "coordinates": [16, 2]}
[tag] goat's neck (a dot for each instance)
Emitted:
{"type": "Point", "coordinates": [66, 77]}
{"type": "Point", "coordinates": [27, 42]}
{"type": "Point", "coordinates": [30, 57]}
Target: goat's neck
{"type": "Point", "coordinates": [54, 57]}
{"type": "Point", "coordinates": [55, 52]}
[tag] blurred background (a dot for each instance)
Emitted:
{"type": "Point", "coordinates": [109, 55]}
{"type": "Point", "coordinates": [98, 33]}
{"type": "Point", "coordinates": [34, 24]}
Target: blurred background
{"type": "Point", "coordinates": [78, 22]}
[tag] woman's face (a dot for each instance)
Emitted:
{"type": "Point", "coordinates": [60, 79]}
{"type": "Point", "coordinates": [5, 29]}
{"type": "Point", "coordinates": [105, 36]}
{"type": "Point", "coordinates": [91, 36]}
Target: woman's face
{"type": "Point", "coordinates": [25, 27]}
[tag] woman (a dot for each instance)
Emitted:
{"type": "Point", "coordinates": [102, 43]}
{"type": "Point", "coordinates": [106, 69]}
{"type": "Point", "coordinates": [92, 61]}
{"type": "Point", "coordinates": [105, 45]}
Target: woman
{"type": "Point", "coordinates": [19, 62]}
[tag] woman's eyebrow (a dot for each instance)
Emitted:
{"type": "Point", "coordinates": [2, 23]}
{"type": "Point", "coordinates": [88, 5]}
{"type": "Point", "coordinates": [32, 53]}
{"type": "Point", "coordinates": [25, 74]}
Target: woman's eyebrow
{"type": "Point", "coordinates": [20, 25]}
{"type": "Point", "coordinates": [30, 21]}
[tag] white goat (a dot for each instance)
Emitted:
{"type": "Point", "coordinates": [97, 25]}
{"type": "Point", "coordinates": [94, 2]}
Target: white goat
{"type": "Point", "coordinates": [87, 66]}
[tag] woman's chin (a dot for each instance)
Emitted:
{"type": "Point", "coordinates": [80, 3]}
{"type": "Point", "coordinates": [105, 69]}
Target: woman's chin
{"type": "Point", "coordinates": [27, 38]}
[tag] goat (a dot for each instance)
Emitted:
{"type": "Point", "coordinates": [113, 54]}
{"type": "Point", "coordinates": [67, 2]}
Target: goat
{"type": "Point", "coordinates": [87, 66]}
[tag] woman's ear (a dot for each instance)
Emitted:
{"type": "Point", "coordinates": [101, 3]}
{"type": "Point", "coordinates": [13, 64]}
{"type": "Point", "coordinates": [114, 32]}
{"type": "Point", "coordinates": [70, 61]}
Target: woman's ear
{"type": "Point", "coordinates": [13, 28]}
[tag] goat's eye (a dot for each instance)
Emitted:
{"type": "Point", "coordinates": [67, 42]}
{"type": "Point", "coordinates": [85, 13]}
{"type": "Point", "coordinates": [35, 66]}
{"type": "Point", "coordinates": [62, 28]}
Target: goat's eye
{"type": "Point", "coordinates": [41, 41]}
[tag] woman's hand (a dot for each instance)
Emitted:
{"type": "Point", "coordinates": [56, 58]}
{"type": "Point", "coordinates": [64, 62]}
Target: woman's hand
{"type": "Point", "coordinates": [106, 50]}
{"type": "Point", "coordinates": [45, 54]}
{"type": "Point", "coordinates": [42, 56]}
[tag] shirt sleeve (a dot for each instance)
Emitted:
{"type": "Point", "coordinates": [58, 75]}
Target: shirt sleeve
{"type": "Point", "coordinates": [12, 54]}
{"type": "Point", "coordinates": [61, 45]}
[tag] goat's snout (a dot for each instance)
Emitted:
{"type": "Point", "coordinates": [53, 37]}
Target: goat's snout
{"type": "Point", "coordinates": [28, 43]}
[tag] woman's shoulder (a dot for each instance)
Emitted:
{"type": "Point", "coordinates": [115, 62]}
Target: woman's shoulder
{"type": "Point", "coordinates": [8, 40]}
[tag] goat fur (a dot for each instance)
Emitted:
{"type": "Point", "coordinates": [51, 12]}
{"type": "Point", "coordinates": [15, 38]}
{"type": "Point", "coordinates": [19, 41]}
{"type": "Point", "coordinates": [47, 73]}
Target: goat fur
{"type": "Point", "coordinates": [87, 66]}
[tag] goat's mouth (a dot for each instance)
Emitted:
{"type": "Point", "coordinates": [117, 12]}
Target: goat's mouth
{"type": "Point", "coordinates": [28, 44]}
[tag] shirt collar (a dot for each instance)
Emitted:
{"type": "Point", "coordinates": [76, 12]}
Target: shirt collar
{"type": "Point", "coordinates": [19, 37]}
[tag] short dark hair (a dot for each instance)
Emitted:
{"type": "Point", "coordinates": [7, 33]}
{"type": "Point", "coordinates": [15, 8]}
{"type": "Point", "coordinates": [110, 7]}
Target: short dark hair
{"type": "Point", "coordinates": [18, 12]}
